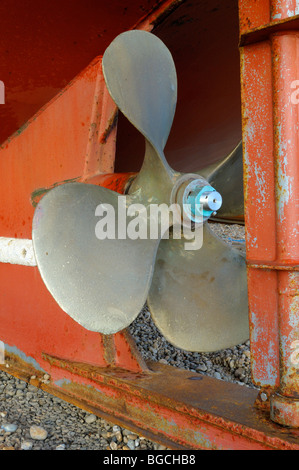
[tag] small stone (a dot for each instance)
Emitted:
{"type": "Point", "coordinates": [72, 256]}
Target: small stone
{"type": "Point", "coordinates": [90, 419]}
{"type": "Point", "coordinates": [116, 428]}
{"type": "Point", "coordinates": [113, 445]}
{"type": "Point", "coordinates": [60, 447]}
{"type": "Point", "coordinates": [119, 436]}
{"type": "Point", "coordinates": [153, 350]}
{"type": "Point", "coordinates": [46, 377]}
{"type": "Point", "coordinates": [26, 445]}
{"type": "Point", "coordinates": [264, 396]}
{"type": "Point", "coordinates": [38, 433]}
{"type": "Point", "coordinates": [3, 414]}
{"type": "Point", "coordinates": [239, 372]}
{"type": "Point", "coordinates": [132, 437]}
{"type": "Point", "coordinates": [21, 386]}
{"type": "Point", "coordinates": [131, 444]}
{"type": "Point", "coordinates": [202, 368]}
{"type": "Point", "coordinates": [9, 427]}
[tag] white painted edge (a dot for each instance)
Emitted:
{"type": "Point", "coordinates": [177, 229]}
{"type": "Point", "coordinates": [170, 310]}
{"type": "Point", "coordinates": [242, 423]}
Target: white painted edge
{"type": "Point", "coordinates": [17, 251]}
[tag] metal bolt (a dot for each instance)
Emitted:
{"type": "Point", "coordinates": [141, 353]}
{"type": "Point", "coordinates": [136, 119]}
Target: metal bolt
{"type": "Point", "coordinates": [204, 200]}
{"type": "Point", "coordinates": [211, 200]}
{"type": "Point", "coordinates": [196, 197]}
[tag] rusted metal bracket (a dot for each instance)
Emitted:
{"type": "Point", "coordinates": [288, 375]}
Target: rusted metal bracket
{"type": "Point", "coordinates": [269, 65]}
{"type": "Point", "coordinates": [274, 266]}
{"type": "Point", "coordinates": [264, 32]}
{"type": "Point", "coordinates": [176, 408]}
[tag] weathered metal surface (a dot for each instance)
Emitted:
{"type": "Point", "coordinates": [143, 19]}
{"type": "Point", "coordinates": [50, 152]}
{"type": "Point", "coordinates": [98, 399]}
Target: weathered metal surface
{"type": "Point", "coordinates": [285, 410]}
{"type": "Point", "coordinates": [284, 405]}
{"type": "Point", "coordinates": [177, 408]}
{"type": "Point", "coordinates": [260, 224]}
{"type": "Point", "coordinates": [271, 175]}
{"type": "Point", "coordinates": [263, 32]}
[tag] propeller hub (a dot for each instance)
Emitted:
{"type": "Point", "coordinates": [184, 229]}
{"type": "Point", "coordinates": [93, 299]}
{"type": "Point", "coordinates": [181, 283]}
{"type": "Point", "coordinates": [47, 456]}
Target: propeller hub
{"type": "Point", "coordinates": [199, 200]}
{"type": "Point", "coordinates": [206, 199]}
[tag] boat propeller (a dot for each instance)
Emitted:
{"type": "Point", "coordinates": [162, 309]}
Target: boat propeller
{"type": "Point", "coordinates": [99, 252]}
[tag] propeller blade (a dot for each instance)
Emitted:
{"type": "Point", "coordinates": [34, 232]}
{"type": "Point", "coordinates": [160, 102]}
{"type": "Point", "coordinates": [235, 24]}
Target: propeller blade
{"type": "Point", "coordinates": [101, 283]}
{"type": "Point", "coordinates": [141, 78]}
{"type": "Point", "coordinates": [226, 177]}
{"type": "Point", "coordinates": [198, 299]}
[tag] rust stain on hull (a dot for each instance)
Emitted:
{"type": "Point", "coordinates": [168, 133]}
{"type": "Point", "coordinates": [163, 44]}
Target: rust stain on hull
{"type": "Point", "coordinates": [40, 192]}
{"type": "Point", "coordinates": [111, 125]}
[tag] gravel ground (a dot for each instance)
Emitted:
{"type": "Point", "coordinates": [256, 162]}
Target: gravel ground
{"type": "Point", "coordinates": [31, 419]}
